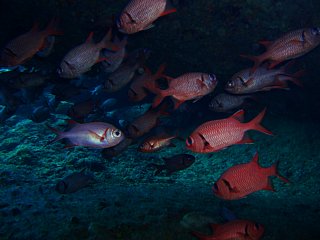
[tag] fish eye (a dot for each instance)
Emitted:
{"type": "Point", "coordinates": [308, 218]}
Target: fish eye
{"type": "Point", "coordinates": [189, 141]}
{"type": "Point", "coordinates": [59, 70]}
{"type": "Point", "coordinates": [215, 187]}
{"type": "Point", "coordinates": [212, 77]}
{"type": "Point", "coordinates": [257, 226]}
{"type": "Point", "coordinates": [230, 84]}
{"type": "Point", "coordinates": [315, 31]}
{"type": "Point", "coordinates": [118, 23]}
{"type": "Point", "coordinates": [117, 133]}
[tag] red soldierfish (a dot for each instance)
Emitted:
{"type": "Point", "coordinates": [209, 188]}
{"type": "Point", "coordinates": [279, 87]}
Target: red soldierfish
{"type": "Point", "coordinates": [292, 45]}
{"type": "Point", "coordinates": [156, 143]}
{"type": "Point", "coordinates": [25, 46]}
{"type": "Point", "coordinates": [137, 90]}
{"type": "Point", "coordinates": [189, 86]}
{"type": "Point", "coordinates": [243, 179]}
{"type": "Point", "coordinates": [234, 230]}
{"type": "Point", "coordinates": [94, 135]}
{"type": "Point", "coordinates": [215, 135]}
{"type": "Point", "coordinates": [263, 79]}
{"type": "Point", "coordinates": [81, 58]}
{"type": "Point", "coordinates": [139, 15]}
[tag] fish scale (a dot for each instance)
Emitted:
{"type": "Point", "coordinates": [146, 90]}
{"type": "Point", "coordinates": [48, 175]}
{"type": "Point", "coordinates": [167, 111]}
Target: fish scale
{"type": "Point", "coordinates": [139, 15]}
{"type": "Point", "coordinates": [281, 49]}
{"type": "Point", "coordinates": [188, 86]}
{"type": "Point", "coordinates": [145, 11]}
{"type": "Point", "coordinates": [292, 45]}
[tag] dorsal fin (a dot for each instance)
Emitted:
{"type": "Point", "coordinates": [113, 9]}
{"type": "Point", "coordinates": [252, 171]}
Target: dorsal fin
{"type": "Point", "coordinates": [90, 38]}
{"type": "Point", "coordinates": [239, 115]}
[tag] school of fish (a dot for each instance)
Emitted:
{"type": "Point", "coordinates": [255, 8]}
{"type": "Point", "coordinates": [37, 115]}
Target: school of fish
{"type": "Point", "coordinates": [120, 70]}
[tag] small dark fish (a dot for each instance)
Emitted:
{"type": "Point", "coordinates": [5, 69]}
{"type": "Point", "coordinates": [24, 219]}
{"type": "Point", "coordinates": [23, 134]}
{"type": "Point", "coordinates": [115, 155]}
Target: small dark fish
{"type": "Point", "coordinates": [40, 114]}
{"type": "Point", "coordinates": [74, 182]}
{"type": "Point", "coordinates": [125, 73]}
{"type": "Point", "coordinates": [116, 150]}
{"type": "Point", "coordinates": [108, 103]}
{"type": "Point", "coordinates": [227, 102]}
{"type": "Point", "coordinates": [81, 110]}
{"type": "Point", "coordinates": [28, 80]}
{"type": "Point", "coordinates": [174, 163]}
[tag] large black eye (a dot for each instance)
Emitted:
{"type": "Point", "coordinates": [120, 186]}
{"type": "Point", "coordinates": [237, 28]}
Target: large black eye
{"type": "Point", "coordinates": [118, 22]}
{"type": "Point", "coordinates": [59, 70]}
{"type": "Point", "coordinates": [215, 187]}
{"type": "Point", "coordinates": [189, 141]}
{"type": "Point", "coordinates": [257, 226]}
{"type": "Point", "coordinates": [212, 77]}
{"type": "Point", "coordinates": [315, 31]}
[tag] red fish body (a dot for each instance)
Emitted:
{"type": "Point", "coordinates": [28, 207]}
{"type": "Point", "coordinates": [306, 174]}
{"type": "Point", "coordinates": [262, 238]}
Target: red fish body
{"type": "Point", "coordinates": [139, 15]}
{"type": "Point", "coordinates": [292, 45]}
{"type": "Point", "coordinates": [244, 179]}
{"type": "Point", "coordinates": [94, 135]}
{"type": "Point", "coordinates": [81, 58]}
{"type": "Point", "coordinates": [156, 143]}
{"type": "Point", "coordinates": [263, 79]}
{"type": "Point", "coordinates": [137, 90]}
{"type": "Point", "coordinates": [215, 135]}
{"type": "Point", "coordinates": [190, 86]}
{"type": "Point", "coordinates": [234, 230]}
{"type": "Point", "coordinates": [25, 46]}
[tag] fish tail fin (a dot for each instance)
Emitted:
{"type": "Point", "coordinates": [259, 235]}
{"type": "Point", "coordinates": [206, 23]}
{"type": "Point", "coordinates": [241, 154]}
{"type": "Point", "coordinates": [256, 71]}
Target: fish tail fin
{"type": "Point", "coordinates": [169, 9]}
{"type": "Point", "coordinates": [295, 77]}
{"type": "Point", "coordinates": [274, 172]}
{"type": "Point", "coordinates": [60, 135]}
{"type": "Point", "coordinates": [52, 27]}
{"type": "Point", "coordinates": [256, 59]}
{"type": "Point", "coordinates": [106, 42]}
{"type": "Point", "coordinates": [160, 94]}
{"type": "Point", "coordinates": [255, 124]}
{"type": "Point", "coordinates": [200, 236]}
